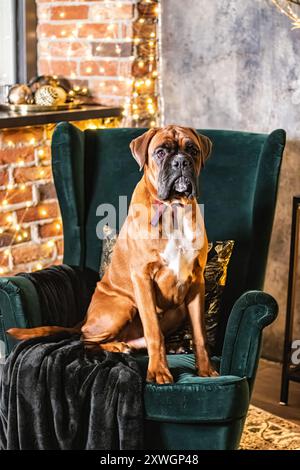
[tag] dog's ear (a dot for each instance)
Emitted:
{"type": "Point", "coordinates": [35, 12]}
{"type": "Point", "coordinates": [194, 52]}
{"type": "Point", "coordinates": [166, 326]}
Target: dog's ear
{"type": "Point", "coordinates": [206, 145]}
{"type": "Point", "coordinates": [139, 146]}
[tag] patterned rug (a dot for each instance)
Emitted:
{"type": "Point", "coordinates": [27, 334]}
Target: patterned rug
{"type": "Point", "coordinates": [265, 431]}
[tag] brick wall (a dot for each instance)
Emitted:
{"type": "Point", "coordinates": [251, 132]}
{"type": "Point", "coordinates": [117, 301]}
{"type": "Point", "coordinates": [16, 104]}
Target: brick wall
{"type": "Point", "coordinates": [89, 42]}
{"type": "Point", "coordinates": [30, 226]}
{"type": "Point", "coordinates": [30, 223]}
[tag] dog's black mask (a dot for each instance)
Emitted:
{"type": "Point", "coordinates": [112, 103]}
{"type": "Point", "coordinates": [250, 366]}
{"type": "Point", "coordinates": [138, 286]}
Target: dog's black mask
{"type": "Point", "coordinates": [177, 171]}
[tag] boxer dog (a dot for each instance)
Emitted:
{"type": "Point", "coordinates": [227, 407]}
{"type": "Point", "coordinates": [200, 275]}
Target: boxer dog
{"type": "Point", "coordinates": [154, 282]}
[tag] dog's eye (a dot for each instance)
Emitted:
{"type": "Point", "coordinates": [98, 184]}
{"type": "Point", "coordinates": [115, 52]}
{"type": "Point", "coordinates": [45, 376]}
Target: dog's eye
{"type": "Point", "coordinates": [192, 150]}
{"type": "Point", "coordinates": [160, 153]}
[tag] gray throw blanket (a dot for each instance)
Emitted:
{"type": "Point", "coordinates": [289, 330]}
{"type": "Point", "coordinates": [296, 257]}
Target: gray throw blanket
{"type": "Point", "coordinates": [56, 394]}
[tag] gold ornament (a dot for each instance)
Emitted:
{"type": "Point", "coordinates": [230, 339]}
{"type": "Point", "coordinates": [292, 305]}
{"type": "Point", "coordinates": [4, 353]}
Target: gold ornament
{"type": "Point", "coordinates": [62, 95]}
{"type": "Point", "coordinates": [47, 95]}
{"type": "Point", "coordinates": [20, 94]}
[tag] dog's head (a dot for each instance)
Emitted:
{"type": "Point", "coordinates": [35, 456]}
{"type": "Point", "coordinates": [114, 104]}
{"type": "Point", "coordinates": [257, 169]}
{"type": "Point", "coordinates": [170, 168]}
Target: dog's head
{"type": "Point", "coordinates": [172, 158]}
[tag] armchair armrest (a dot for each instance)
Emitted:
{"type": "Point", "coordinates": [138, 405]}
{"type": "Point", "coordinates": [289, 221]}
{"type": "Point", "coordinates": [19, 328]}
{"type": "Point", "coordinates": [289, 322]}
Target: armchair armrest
{"type": "Point", "coordinates": [19, 307]}
{"type": "Point", "coordinates": [251, 313]}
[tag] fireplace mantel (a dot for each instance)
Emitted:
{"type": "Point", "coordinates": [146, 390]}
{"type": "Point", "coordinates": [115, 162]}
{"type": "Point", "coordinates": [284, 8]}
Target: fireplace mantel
{"type": "Point", "coordinates": [11, 119]}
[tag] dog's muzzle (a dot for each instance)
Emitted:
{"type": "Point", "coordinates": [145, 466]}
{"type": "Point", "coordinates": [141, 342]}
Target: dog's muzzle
{"type": "Point", "coordinates": [177, 176]}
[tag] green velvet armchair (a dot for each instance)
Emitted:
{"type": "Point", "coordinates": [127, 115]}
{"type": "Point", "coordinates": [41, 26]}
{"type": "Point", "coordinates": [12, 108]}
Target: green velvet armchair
{"type": "Point", "coordinates": [238, 187]}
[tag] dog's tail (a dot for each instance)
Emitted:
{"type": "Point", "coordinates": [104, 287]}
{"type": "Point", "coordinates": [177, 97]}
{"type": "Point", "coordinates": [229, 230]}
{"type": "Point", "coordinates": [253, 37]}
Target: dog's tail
{"type": "Point", "coordinates": [27, 333]}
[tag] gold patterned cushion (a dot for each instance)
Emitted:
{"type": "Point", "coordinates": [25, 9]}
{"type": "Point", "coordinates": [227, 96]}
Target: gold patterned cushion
{"type": "Point", "coordinates": [215, 279]}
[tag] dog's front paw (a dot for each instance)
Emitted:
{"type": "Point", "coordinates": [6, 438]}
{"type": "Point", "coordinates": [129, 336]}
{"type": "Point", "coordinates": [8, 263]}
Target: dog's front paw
{"type": "Point", "coordinates": [160, 375]}
{"type": "Point", "coordinates": [207, 370]}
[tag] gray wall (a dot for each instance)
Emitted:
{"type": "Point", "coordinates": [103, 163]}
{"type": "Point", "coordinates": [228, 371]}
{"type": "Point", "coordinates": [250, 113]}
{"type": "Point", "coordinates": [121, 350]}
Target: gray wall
{"type": "Point", "coordinates": [235, 64]}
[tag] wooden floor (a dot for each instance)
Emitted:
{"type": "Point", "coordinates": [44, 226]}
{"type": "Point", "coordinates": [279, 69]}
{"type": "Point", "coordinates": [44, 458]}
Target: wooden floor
{"type": "Point", "coordinates": [266, 392]}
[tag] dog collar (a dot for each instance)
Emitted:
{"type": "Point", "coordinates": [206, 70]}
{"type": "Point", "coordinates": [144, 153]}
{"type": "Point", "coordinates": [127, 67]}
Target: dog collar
{"type": "Point", "coordinates": [160, 208]}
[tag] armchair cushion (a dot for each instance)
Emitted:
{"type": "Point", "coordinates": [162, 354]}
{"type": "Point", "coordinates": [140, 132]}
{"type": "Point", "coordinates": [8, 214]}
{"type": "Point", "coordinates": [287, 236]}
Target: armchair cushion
{"type": "Point", "coordinates": [193, 399]}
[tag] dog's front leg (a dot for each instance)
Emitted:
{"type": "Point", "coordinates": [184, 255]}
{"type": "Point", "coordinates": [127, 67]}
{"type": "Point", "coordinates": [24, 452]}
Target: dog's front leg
{"type": "Point", "coordinates": [195, 306]}
{"type": "Point", "coordinates": [158, 370]}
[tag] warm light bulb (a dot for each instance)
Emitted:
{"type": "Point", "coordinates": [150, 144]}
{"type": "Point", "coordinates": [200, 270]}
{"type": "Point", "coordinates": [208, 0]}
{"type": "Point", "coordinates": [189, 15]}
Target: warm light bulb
{"type": "Point", "coordinates": [142, 20]}
{"type": "Point", "coordinates": [10, 186]}
{"type": "Point", "coordinates": [39, 266]}
{"type": "Point", "coordinates": [50, 243]}
{"type": "Point", "coordinates": [62, 14]}
{"type": "Point", "coordinates": [41, 153]}
{"type": "Point", "coordinates": [2, 270]}
{"type": "Point", "coordinates": [6, 252]}
{"type": "Point", "coordinates": [9, 219]}
{"type": "Point", "coordinates": [17, 227]}
{"type": "Point", "coordinates": [28, 204]}
{"type": "Point", "coordinates": [63, 32]}
{"type": "Point", "coordinates": [141, 63]}
{"type": "Point", "coordinates": [43, 212]}
{"type": "Point", "coordinates": [135, 117]}
{"type": "Point", "coordinates": [10, 143]}
{"type": "Point", "coordinates": [148, 82]}
{"type": "Point", "coordinates": [88, 69]}
{"type": "Point", "coordinates": [57, 226]}
{"type": "Point", "coordinates": [25, 234]}
{"type": "Point", "coordinates": [111, 27]}
{"type": "Point", "coordinates": [1, 230]}
{"type": "Point", "coordinates": [19, 238]}
{"type": "Point", "coordinates": [4, 202]}
{"type": "Point", "coordinates": [152, 35]}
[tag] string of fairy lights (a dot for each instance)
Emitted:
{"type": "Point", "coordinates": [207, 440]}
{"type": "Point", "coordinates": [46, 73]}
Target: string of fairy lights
{"type": "Point", "coordinates": [144, 107]}
{"type": "Point", "coordinates": [141, 109]}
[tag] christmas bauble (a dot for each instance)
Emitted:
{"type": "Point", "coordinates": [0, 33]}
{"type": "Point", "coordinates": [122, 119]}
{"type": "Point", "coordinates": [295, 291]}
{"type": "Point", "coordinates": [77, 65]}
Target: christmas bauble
{"type": "Point", "coordinates": [20, 94]}
{"type": "Point", "coordinates": [62, 95]}
{"type": "Point", "coordinates": [47, 95]}
{"type": "Point", "coordinates": [64, 83]}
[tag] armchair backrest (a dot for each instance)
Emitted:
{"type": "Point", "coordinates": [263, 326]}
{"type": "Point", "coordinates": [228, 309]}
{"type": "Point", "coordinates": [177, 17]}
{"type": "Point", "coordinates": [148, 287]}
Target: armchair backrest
{"type": "Point", "coordinates": [238, 188]}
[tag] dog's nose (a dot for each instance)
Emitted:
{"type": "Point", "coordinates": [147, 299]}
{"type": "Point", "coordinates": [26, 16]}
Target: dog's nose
{"type": "Point", "coordinates": [180, 162]}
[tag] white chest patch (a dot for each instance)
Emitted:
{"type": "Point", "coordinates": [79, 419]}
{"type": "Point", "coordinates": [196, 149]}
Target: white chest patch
{"type": "Point", "coordinates": [181, 251]}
